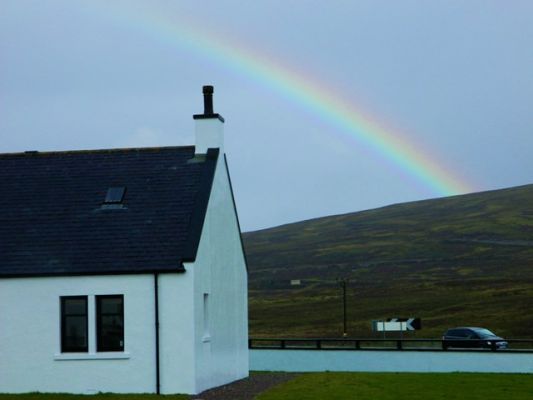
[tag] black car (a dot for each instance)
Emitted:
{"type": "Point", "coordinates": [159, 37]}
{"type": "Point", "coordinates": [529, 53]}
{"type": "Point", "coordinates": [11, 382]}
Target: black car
{"type": "Point", "coordinates": [472, 338]}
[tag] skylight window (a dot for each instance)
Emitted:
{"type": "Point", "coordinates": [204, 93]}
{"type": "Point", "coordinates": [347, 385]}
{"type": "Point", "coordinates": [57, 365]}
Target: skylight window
{"type": "Point", "coordinates": [115, 195]}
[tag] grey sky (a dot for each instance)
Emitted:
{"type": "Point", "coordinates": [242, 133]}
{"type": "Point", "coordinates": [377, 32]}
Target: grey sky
{"type": "Point", "coordinates": [452, 75]}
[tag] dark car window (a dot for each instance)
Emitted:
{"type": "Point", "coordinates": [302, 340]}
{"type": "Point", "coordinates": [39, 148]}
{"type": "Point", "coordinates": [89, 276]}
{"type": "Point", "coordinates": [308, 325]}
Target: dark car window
{"type": "Point", "coordinates": [454, 332]}
{"type": "Point", "coordinates": [464, 333]}
{"type": "Point", "coordinates": [470, 334]}
{"type": "Point", "coordinates": [484, 333]}
{"type": "Point", "coordinates": [461, 333]}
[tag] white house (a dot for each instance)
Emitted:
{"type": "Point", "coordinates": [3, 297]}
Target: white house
{"type": "Point", "coordinates": [122, 270]}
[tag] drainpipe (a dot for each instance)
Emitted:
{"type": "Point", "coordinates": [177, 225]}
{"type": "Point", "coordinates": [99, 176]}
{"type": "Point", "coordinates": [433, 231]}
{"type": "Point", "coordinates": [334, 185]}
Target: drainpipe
{"type": "Point", "coordinates": [156, 298]}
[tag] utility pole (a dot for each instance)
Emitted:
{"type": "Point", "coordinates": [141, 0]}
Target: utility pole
{"type": "Point", "coordinates": [343, 282]}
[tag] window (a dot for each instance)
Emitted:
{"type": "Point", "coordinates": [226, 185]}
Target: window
{"type": "Point", "coordinates": [114, 198]}
{"type": "Point", "coordinates": [74, 330]}
{"type": "Point", "coordinates": [206, 316]}
{"type": "Point", "coordinates": [110, 323]}
{"type": "Point", "coordinates": [484, 333]}
{"type": "Point", "coordinates": [115, 195]}
{"type": "Point", "coordinates": [91, 324]}
{"type": "Point", "coordinates": [463, 333]}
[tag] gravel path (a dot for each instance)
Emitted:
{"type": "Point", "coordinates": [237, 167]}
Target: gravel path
{"type": "Point", "coordinates": [246, 389]}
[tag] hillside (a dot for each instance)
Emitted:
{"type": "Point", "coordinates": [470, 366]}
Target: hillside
{"type": "Point", "coordinates": [462, 260]}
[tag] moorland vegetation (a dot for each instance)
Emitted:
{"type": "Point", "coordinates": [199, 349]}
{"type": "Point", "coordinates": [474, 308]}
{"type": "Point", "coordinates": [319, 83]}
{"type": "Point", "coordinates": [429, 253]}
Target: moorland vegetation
{"type": "Point", "coordinates": [456, 261]}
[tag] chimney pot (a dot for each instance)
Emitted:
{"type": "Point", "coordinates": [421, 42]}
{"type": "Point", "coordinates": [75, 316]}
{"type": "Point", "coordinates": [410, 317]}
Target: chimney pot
{"type": "Point", "coordinates": [208, 100]}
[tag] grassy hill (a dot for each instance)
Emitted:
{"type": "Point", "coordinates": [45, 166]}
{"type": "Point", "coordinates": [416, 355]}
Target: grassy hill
{"type": "Point", "coordinates": [462, 260]}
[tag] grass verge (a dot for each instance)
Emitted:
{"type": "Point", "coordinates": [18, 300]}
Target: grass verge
{"type": "Point", "coordinates": [399, 386]}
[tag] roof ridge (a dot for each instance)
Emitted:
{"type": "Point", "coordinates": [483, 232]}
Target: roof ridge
{"type": "Point", "coordinates": [33, 153]}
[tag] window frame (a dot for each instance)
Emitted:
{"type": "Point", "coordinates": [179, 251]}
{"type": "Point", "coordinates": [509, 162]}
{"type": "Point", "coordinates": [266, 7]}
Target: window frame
{"type": "Point", "coordinates": [98, 321]}
{"type": "Point", "coordinates": [64, 347]}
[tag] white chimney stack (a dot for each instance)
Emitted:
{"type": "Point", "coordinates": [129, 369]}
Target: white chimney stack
{"type": "Point", "coordinates": [209, 129]}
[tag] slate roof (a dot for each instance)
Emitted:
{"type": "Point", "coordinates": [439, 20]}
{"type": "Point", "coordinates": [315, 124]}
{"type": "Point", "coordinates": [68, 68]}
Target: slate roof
{"type": "Point", "coordinates": [52, 221]}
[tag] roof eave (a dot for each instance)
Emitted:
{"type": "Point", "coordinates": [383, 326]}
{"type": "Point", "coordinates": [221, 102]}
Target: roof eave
{"type": "Point", "coordinates": [58, 274]}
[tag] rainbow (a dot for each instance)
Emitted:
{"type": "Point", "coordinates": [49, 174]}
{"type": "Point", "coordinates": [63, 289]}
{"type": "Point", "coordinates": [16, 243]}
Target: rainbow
{"type": "Point", "coordinates": [411, 160]}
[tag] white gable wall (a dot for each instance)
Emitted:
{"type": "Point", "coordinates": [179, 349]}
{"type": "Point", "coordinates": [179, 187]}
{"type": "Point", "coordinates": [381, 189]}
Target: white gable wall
{"type": "Point", "coordinates": [30, 358]}
{"type": "Point", "coordinates": [220, 272]}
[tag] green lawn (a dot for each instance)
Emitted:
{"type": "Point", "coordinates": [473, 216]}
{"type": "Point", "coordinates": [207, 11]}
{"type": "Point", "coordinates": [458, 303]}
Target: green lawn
{"type": "Point", "coordinates": [398, 386]}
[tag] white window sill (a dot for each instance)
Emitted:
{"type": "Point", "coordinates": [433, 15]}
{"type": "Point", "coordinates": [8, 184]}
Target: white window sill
{"type": "Point", "coordinates": [206, 338]}
{"type": "Point", "coordinates": [92, 356]}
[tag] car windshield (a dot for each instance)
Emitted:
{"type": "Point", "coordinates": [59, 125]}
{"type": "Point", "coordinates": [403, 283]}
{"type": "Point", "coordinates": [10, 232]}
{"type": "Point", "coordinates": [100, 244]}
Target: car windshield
{"type": "Point", "coordinates": [484, 333]}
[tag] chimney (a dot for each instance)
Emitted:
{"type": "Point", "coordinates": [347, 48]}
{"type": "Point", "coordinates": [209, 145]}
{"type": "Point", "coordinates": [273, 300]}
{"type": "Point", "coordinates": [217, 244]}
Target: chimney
{"type": "Point", "coordinates": [209, 126]}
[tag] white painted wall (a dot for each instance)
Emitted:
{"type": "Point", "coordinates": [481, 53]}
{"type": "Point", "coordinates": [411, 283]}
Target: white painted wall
{"type": "Point", "coordinates": [209, 133]}
{"type": "Point", "coordinates": [30, 358]}
{"type": "Point", "coordinates": [390, 361]}
{"type": "Point", "coordinates": [176, 333]}
{"type": "Point", "coordinates": [220, 272]}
